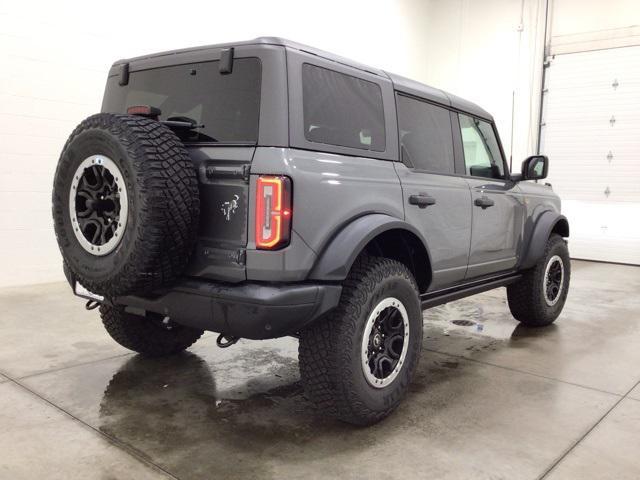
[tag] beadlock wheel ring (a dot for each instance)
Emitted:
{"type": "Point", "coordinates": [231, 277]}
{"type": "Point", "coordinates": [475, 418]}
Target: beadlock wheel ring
{"type": "Point", "coordinates": [553, 280]}
{"type": "Point", "coordinates": [387, 328]}
{"type": "Point", "coordinates": [98, 205]}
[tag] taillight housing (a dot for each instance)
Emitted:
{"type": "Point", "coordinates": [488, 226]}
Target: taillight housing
{"type": "Point", "coordinates": [145, 111]}
{"type": "Point", "coordinates": [273, 212]}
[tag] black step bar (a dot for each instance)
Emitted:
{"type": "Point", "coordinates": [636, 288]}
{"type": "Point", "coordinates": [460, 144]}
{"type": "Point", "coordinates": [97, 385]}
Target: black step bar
{"type": "Point", "coordinates": [440, 297]}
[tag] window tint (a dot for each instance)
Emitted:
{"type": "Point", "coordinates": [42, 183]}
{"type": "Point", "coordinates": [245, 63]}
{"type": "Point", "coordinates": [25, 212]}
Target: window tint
{"type": "Point", "coordinates": [342, 110]}
{"type": "Point", "coordinates": [482, 157]}
{"type": "Point", "coordinates": [226, 106]}
{"type": "Point", "coordinates": [425, 135]}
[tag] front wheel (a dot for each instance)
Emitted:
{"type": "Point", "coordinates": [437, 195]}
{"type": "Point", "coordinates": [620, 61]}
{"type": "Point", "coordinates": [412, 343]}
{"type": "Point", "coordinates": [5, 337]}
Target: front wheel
{"type": "Point", "coordinates": [356, 364]}
{"type": "Point", "coordinates": [537, 299]}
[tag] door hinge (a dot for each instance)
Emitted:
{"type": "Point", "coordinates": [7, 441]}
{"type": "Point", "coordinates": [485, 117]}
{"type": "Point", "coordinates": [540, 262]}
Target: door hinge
{"type": "Point", "coordinates": [241, 257]}
{"type": "Point", "coordinates": [246, 171]}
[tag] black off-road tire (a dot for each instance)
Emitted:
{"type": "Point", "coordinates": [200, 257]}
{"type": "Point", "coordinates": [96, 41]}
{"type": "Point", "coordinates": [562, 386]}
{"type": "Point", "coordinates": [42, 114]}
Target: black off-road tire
{"type": "Point", "coordinates": [526, 297]}
{"type": "Point", "coordinates": [149, 335]}
{"type": "Point", "coordinates": [163, 204]}
{"type": "Point", "coordinates": [330, 349]}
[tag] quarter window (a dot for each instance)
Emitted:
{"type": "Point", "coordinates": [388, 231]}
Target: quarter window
{"type": "Point", "coordinates": [482, 156]}
{"type": "Point", "coordinates": [425, 135]}
{"type": "Point", "coordinates": [342, 110]}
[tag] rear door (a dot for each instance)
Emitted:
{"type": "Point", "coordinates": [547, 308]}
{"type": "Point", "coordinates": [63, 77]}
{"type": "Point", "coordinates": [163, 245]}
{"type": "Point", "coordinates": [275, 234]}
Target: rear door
{"type": "Point", "coordinates": [495, 201]}
{"type": "Point", "coordinates": [435, 199]}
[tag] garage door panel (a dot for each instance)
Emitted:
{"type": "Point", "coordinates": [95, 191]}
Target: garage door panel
{"type": "Point", "coordinates": [594, 67]}
{"type": "Point", "coordinates": [600, 231]}
{"type": "Point", "coordinates": [591, 132]}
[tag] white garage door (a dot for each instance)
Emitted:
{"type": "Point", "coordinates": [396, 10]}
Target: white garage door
{"type": "Point", "coordinates": [591, 133]}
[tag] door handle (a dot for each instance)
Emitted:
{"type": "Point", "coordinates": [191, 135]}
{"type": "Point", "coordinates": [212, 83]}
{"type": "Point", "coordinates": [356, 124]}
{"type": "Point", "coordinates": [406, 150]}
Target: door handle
{"type": "Point", "coordinates": [422, 201]}
{"type": "Point", "coordinates": [484, 202]}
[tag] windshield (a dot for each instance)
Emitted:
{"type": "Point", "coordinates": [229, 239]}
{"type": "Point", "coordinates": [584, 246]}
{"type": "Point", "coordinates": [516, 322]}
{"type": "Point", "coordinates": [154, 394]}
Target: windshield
{"type": "Point", "coordinates": [223, 107]}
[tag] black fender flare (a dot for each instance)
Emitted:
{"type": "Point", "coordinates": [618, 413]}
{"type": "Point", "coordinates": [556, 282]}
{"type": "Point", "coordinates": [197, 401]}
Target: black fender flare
{"type": "Point", "coordinates": [541, 232]}
{"type": "Point", "coordinates": [338, 255]}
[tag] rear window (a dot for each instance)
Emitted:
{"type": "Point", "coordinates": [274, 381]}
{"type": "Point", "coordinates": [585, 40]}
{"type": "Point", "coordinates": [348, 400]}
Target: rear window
{"type": "Point", "coordinates": [342, 110]}
{"type": "Point", "coordinates": [225, 106]}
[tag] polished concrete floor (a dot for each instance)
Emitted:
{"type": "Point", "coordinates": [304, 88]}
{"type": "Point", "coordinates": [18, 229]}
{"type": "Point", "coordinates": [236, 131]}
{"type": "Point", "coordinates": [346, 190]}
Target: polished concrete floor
{"type": "Point", "coordinates": [490, 400]}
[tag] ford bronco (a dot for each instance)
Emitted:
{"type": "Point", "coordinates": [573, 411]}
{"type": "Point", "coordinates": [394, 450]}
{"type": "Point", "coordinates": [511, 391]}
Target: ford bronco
{"type": "Point", "coordinates": [264, 188]}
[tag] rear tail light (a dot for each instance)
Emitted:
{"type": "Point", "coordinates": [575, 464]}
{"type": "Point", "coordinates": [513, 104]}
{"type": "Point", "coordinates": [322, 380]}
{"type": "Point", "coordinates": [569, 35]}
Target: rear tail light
{"type": "Point", "coordinates": [273, 212]}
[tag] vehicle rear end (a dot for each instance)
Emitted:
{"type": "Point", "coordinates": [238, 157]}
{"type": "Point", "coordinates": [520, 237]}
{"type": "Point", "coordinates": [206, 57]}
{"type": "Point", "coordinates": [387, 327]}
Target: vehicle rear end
{"type": "Point", "coordinates": [231, 189]}
{"type": "Point", "coordinates": [235, 96]}
{"type": "Point", "coordinates": [226, 105]}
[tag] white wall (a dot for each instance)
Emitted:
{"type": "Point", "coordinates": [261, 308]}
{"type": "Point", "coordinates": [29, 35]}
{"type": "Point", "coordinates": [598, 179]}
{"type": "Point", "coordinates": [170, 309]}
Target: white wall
{"type": "Point", "coordinates": [54, 58]}
{"type": "Point", "coordinates": [490, 52]}
{"type": "Point", "coordinates": [571, 17]}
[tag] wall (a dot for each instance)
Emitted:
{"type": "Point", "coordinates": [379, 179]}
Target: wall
{"type": "Point", "coordinates": [55, 57]}
{"type": "Point", "coordinates": [571, 17]}
{"type": "Point", "coordinates": [490, 52]}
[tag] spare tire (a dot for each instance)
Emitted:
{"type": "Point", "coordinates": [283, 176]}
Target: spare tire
{"type": "Point", "coordinates": [125, 204]}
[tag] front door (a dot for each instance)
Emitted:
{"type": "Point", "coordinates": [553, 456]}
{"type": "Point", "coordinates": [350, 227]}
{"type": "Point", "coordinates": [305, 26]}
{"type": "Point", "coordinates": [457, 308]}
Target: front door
{"type": "Point", "coordinates": [496, 205]}
{"type": "Point", "coordinates": [435, 200]}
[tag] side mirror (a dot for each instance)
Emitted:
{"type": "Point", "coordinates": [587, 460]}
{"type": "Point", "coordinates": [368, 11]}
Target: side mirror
{"type": "Point", "coordinates": [535, 167]}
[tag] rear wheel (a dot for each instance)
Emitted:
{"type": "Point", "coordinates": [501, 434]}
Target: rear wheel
{"type": "Point", "coordinates": [357, 363]}
{"type": "Point", "coordinates": [538, 298]}
{"type": "Point", "coordinates": [153, 335]}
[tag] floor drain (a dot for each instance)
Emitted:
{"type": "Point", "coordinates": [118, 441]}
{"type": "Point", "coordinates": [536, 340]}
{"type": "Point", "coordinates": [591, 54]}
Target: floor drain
{"type": "Point", "coordinates": [463, 323]}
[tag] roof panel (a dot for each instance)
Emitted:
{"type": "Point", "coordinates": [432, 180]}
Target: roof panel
{"type": "Point", "coordinates": [403, 84]}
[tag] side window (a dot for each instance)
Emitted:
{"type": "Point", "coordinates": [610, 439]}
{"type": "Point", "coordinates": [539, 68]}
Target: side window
{"type": "Point", "coordinates": [482, 157]}
{"type": "Point", "coordinates": [342, 110]}
{"type": "Point", "coordinates": [425, 135]}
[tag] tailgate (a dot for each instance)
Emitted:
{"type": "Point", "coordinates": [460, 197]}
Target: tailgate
{"type": "Point", "coordinates": [223, 176]}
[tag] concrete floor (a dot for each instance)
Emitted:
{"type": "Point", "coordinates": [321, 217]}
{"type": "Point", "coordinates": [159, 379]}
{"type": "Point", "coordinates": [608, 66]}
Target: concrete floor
{"type": "Point", "coordinates": [490, 400]}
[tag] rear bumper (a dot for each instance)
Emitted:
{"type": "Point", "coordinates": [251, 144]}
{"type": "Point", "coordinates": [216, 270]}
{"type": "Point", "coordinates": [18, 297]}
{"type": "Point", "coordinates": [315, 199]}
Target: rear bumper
{"type": "Point", "coordinates": [247, 310]}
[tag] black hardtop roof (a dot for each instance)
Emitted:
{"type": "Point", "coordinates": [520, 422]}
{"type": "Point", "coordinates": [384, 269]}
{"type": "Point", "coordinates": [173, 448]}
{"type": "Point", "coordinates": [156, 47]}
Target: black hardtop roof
{"type": "Point", "coordinates": [400, 83]}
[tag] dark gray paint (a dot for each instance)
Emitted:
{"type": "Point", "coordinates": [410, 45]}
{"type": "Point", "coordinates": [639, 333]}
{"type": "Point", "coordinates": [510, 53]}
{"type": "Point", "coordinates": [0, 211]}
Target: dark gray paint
{"type": "Point", "coordinates": [340, 254]}
{"type": "Point", "coordinates": [446, 226]}
{"type": "Point", "coordinates": [496, 230]}
{"type": "Point", "coordinates": [260, 44]}
{"type": "Point", "coordinates": [542, 214]}
{"type": "Point", "coordinates": [329, 192]}
{"type": "Point", "coordinates": [343, 196]}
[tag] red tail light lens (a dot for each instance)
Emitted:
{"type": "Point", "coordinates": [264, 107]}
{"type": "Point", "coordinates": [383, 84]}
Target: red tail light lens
{"type": "Point", "coordinates": [273, 212]}
{"type": "Point", "coordinates": [144, 111]}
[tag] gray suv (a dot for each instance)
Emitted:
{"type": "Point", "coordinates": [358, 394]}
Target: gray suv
{"type": "Point", "coordinates": [263, 189]}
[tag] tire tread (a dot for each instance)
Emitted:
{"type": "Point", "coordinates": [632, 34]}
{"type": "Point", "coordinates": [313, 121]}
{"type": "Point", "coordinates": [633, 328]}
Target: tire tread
{"type": "Point", "coordinates": [141, 335]}
{"type": "Point", "coordinates": [325, 347]}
